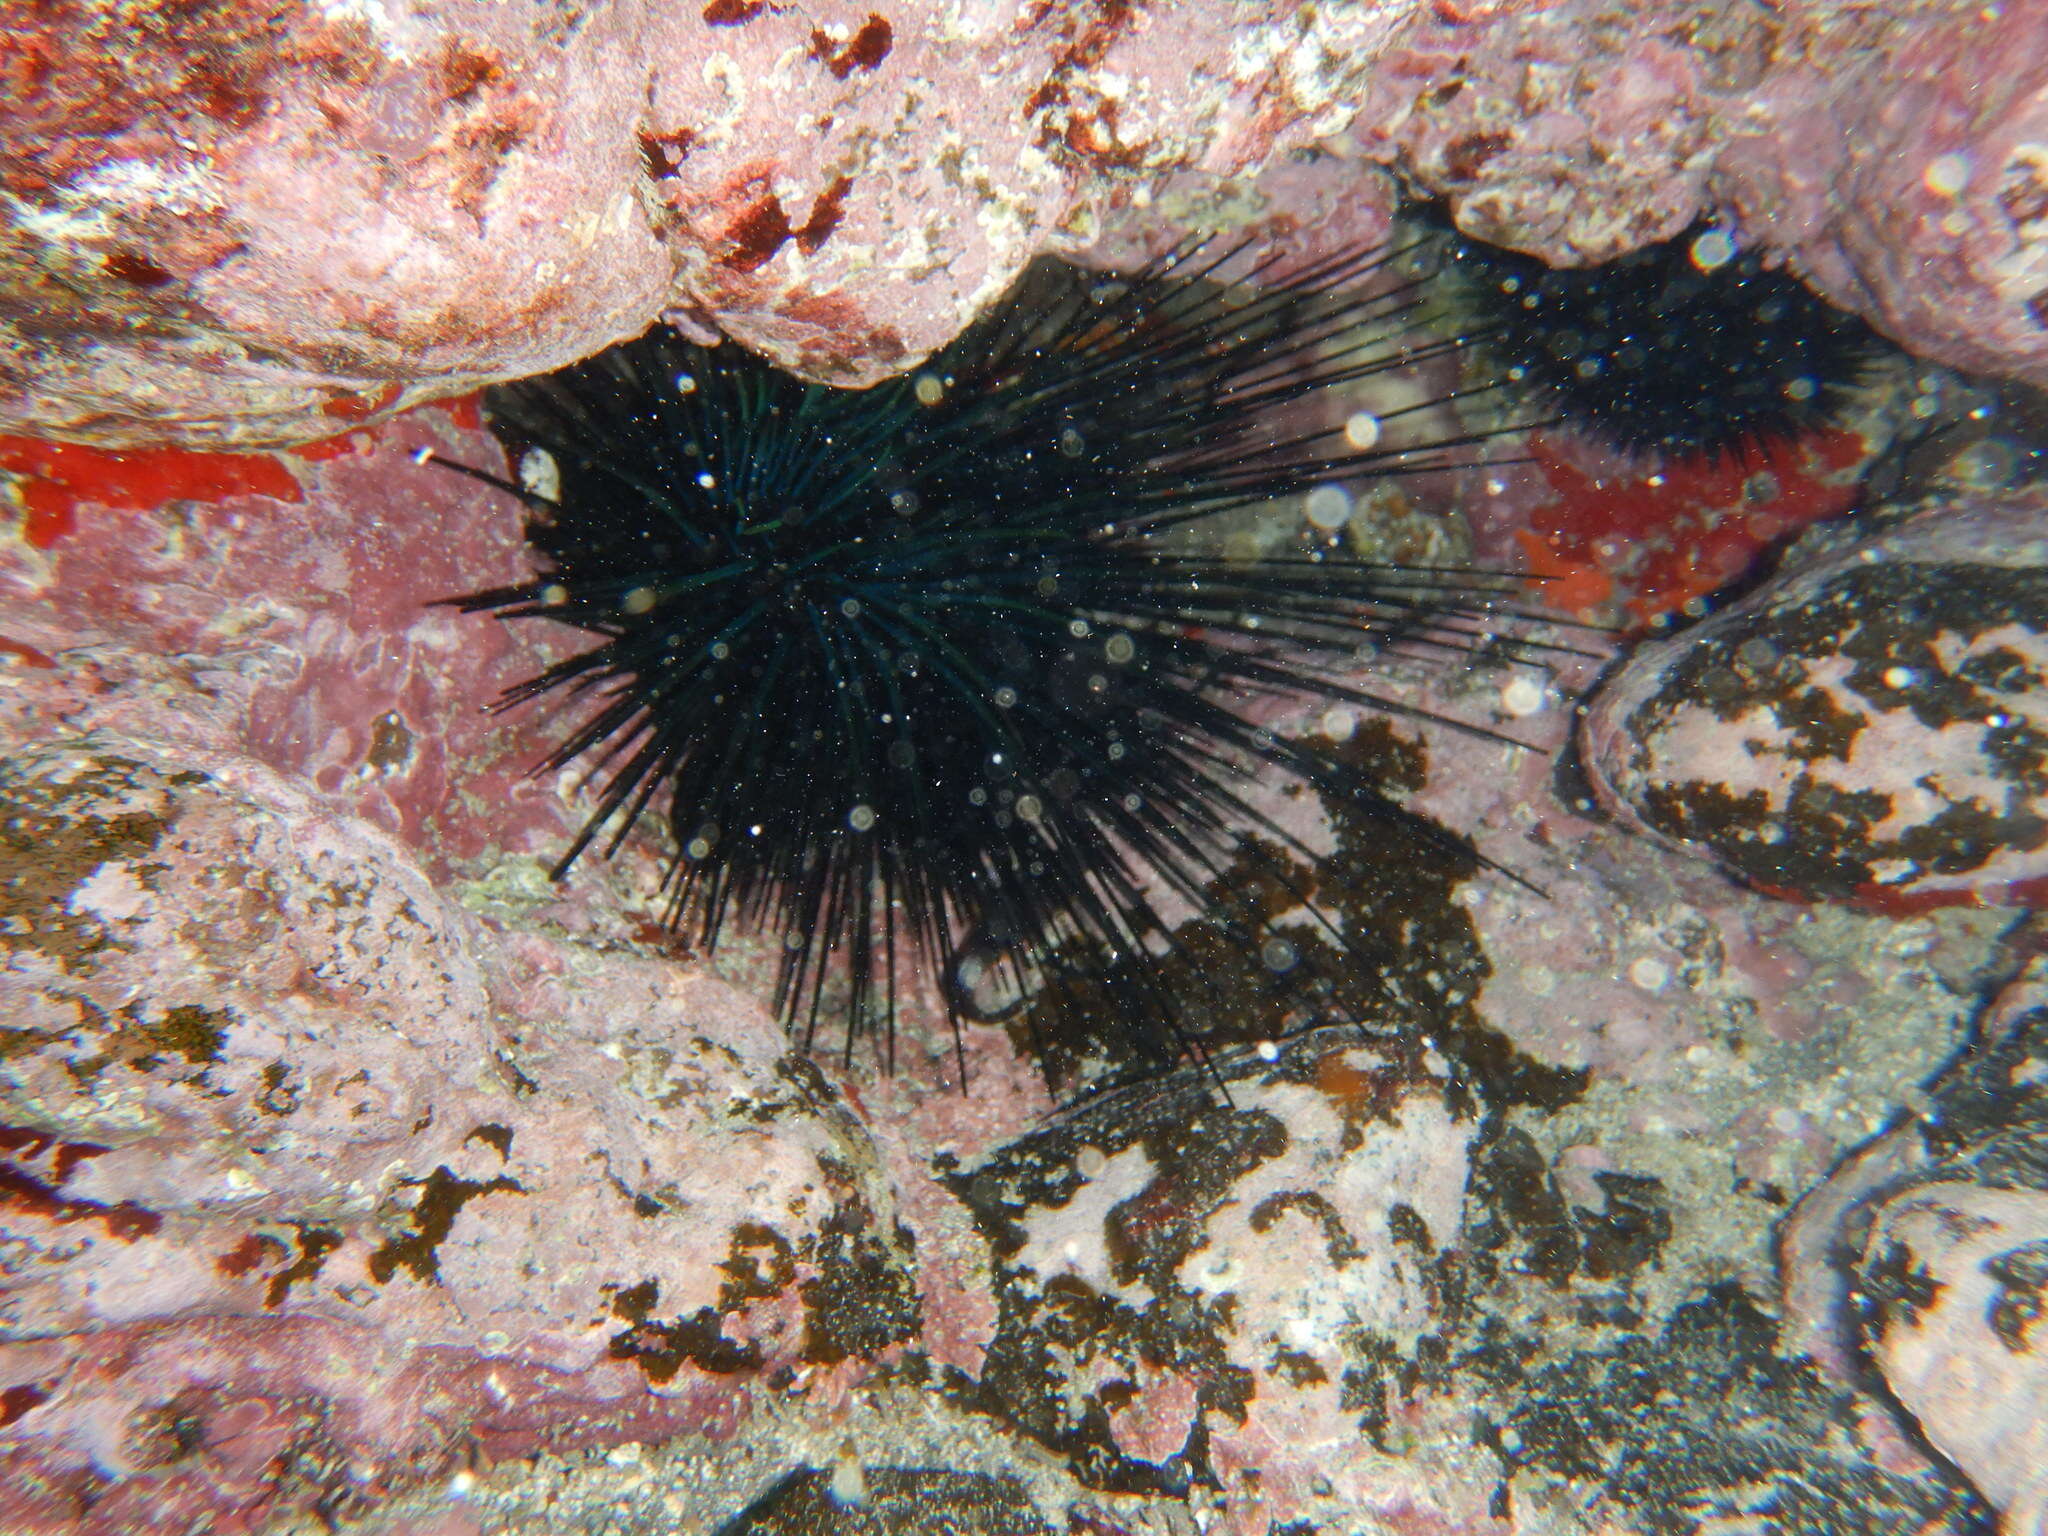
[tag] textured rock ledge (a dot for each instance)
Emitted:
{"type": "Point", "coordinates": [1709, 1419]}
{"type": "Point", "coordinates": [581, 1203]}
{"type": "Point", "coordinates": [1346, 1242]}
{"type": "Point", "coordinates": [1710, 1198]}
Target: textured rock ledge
{"type": "Point", "coordinates": [262, 224]}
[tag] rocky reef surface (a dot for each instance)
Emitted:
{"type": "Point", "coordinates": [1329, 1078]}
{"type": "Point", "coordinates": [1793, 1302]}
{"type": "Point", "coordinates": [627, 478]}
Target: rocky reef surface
{"type": "Point", "coordinates": [352, 1165]}
{"type": "Point", "coordinates": [256, 224]}
{"type": "Point", "coordinates": [1689, 1171]}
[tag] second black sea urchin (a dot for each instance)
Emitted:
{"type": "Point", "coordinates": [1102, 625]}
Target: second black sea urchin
{"type": "Point", "coordinates": [1690, 347]}
{"type": "Point", "coordinates": [937, 664]}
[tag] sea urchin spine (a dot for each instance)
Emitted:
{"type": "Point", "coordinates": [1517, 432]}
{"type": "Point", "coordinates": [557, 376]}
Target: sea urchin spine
{"type": "Point", "coordinates": [936, 660]}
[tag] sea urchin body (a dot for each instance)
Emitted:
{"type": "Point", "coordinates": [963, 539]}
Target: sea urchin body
{"type": "Point", "coordinates": [935, 662]}
{"type": "Point", "coordinates": [1689, 347]}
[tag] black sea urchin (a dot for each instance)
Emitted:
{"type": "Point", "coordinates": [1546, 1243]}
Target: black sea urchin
{"type": "Point", "coordinates": [936, 660]}
{"type": "Point", "coordinates": [1682, 348]}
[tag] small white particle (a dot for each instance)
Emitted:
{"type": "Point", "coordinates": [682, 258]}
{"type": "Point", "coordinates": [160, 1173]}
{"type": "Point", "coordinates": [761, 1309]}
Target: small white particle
{"type": "Point", "coordinates": [1522, 697]}
{"type": "Point", "coordinates": [1946, 175]}
{"type": "Point", "coordinates": [1713, 249]}
{"type": "Point", "coordinates": [1898, 677]}
{"type": "Point", "coordinates": [1362, 430]}
{"type": "Point", "coordinates": [849, 1483]}
{"type": "Point", "coordinates": [1649, 974]}
{"type": "Point", "coordinates": [539, 475]}
{"type": "Point", "coordinates": [861, 818]}
{"type": "Point", "coordinates": [1328, 507]}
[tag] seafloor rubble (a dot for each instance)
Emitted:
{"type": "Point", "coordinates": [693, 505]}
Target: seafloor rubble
{"type": "Point", "coordinates": [354, 1174]}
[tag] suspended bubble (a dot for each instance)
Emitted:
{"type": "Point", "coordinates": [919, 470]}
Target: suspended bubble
{"type": "Point", "coordinates": [1278, 954]}
{"type": "Point", "coordinates": [1712, 249]}
{"type": "Point", "coordinates": [1328, 507]}
{"type": "Point", "coordinates": [1362, 430]}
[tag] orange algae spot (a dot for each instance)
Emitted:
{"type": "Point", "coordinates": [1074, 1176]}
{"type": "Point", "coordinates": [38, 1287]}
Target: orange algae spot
{"type": "Point", "coordinates": [1577, 587]}
{"type": "Point", "coordinates": [1674, 532]}
{"type": "Point", "coordinates": [25, 653]}
{"type": "Point", "coordinates": [56, 478]}
{"type": "Point", "coordinates": [322, 449]}
{"type": "Point", "coordinates": [466, 411]}
{"type": "Point", "coordinates": [356, 407]}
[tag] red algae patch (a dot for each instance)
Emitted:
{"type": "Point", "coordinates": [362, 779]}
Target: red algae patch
{"type": "Point", "coordinates": [55, 479]}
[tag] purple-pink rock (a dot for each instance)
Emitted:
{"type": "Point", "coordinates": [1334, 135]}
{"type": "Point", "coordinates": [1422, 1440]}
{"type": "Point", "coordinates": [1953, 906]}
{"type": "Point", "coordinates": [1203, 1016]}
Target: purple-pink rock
{"type": "Point", "coordinates": [290, 1135]}
{"type": "Point", "coordinates": [1186, 1279]}
{"type": "Point", "coordinates": [1872, 725]}
{"type": "Point", "coordinates": [1955, 1285]}
{"type": "Point", "coordinates": [1927, 1255]}
{"type": "Point", "coordinates": [276, 221]}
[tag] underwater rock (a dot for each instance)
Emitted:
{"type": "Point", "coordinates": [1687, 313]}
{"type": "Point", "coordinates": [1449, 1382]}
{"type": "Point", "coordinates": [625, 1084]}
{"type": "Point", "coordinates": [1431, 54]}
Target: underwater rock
{"type": "Point", "coordinates": [296, 1155]}
{"type": "Point", "coordinates": [1222, 1275]}
{"type": "Point", "coordinates": [1901, 161]}
{"type": "Point", "coordinates": [1954, 1286]}
{"type": "Point", "coordinates": [270, 224]}
{"type": "Point", "coordinates": [1953, 1276]}
{"type": "Point", "coordinates": [889, 1501]}
{"type": "Point", "coordinates": [1926, 1253]}
{"type": "Point", "coordinates": [1870, 726]}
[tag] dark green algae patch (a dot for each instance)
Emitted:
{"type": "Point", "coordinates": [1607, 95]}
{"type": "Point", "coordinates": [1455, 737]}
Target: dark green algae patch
{"type": "Point", "coordinates": [859, 1299]}
{"type": "Point", "coordinates": [1411, 965]}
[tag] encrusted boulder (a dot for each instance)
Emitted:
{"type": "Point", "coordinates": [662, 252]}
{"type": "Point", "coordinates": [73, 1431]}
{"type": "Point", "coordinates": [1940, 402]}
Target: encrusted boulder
{"type": "Point", "coordinates": [305, 1166]}
{"type": "Point", "coordinates": [1872, 725]}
